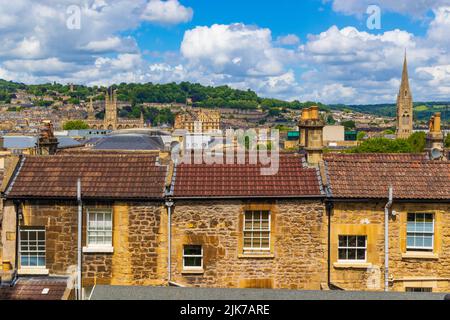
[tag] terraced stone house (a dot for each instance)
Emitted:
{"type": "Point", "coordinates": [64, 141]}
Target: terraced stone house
{"type": "Point", "coordinates": [418, 236]}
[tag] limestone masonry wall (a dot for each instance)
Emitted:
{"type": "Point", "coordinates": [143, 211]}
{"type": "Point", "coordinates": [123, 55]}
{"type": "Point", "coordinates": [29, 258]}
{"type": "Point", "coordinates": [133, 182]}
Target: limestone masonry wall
{"type": "Point", "coordinates": [406, 269]}
{"type": "Point", "coordinates": [299, 244]}
{"type": "Point", "coordinates": [137, 241]}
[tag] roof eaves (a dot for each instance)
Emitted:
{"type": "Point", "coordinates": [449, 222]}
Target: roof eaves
{"type": "Point", "coordinates": [14, 175]}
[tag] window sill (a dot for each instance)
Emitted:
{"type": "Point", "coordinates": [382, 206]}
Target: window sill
{"type": "Point", "coordinates": [256, 256]}
{"type": "Point", "coordinates": [98, 249]}
{"type": "Point", "coordinates": [33, 271]}
{"type": "Point", "coordinates": [193, 271]}
{"type": "Point", "coordinates": [352, 265]}
{"type": "Point", "coordinates": [420, 255]}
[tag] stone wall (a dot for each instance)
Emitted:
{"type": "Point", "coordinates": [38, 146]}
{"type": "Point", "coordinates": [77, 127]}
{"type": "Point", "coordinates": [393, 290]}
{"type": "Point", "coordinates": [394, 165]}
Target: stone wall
{"type": "Point", "coordinates": [406, 269]}
{"type": "Point", "coordinates": [138, 234]}
{"type": "Point", "coordinates": [298, 240]}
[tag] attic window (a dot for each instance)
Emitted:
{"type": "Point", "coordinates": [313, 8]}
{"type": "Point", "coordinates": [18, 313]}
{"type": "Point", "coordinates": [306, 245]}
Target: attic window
{"type": "Point", "coordinates": [45, 291]}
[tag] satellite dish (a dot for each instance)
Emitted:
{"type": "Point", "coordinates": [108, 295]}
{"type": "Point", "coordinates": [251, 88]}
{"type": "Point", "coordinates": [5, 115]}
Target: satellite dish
{"type": "Point", "coordinates": [436, 154]}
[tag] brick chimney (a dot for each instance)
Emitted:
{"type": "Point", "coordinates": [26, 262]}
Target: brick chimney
{"type": "Point", "coordinates": [47, 143]}
{"type": "Point", "coordinates": [435, 138]}
{"type": "Point", "coordinates": [311, 134]}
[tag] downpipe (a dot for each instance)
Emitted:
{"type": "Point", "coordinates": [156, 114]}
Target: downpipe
{"type": "Point", "coordinates": [387, 207]}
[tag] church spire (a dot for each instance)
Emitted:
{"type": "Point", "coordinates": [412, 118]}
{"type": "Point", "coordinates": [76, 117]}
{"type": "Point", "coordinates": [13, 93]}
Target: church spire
{"type": "Point", "coordinates": [404, 87]}
{"type": "Point", "coordinates": [404, 105]}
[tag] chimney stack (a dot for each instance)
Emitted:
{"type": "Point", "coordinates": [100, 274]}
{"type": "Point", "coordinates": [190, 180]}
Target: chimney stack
{"type": "Point", "coordinates": [435, 138]}
{"type": "Point", "coordinates": [47, 143]}
{"type": "Point", "coordinates": [311, 134]}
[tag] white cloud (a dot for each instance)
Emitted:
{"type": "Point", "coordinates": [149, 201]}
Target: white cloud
{"type": "Point", "coordinates": [235, 49]}
{"type": "Point", "coordinates": [111, 44]}
{"type": "Point", "coordinates": [167, 12]}
{"type": "Point", "coordinates": [288, 40]}
{"type": "Point", "coordinates": [411, 7]}
{"type": "Point", "coordinates": [438, 31]}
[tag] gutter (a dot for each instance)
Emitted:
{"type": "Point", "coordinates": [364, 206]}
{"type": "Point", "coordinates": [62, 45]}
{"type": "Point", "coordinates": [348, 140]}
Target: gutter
{"type": "Point", "coordinates": [249, 197]}
{"type": "Point", "coordinates": [169, 204]}
{"type": "Point", "coordinates": [386, 239]}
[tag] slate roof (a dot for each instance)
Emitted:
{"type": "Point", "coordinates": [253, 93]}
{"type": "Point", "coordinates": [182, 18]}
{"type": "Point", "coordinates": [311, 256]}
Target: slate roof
{"type": "Point", "coordinates": [293, 179]}
{"type": "Point", "coordinates": [369, 176]}
{"type": "Point", "coordinates": [36, 288]}
{"type": "Point", "coordinates": [105, 292]}
{"type": "Point", "coordinates": [26, 142]}
{"type": "Point", "coordinates": [130, 141]}
{"type": "Point", "coordinates": [116, 176]}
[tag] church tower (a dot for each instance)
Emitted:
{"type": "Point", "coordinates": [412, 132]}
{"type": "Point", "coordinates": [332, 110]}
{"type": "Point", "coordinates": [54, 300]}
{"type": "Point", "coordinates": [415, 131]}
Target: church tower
{"type": "Point", "coordinates": [110, 121]}
{"type": "Point", "coordinates": [91, 111]}
{"type": "Point", "coordinates": [404, 106]}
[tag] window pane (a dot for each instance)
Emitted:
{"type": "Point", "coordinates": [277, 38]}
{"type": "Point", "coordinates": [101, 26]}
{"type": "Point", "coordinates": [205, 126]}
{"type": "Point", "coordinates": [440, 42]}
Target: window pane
{"type": "Point", "coordinates": [352, 241]}
{"type": "Point", "coordinates": [361, 242]}
{"type": "Point", "coordinates": [352, 254]}
{"type": "Point", "coordinates": [342, 241]}
{"type": "Point", "coordinates": [428, 241]}
{"type": "Point", "coordinates": [342, 254]}
{"type": "Point", "coordinates": [419, 241]}
{"type": "Point", "coordinates": [192, 250]}
{"type": "Point", "coordinates": [410, 241]}
{"type": "Point", "coordinates": [361, 254]}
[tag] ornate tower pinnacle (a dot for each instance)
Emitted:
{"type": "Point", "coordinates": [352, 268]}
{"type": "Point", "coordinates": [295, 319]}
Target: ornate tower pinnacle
{"type": "Point", "coordinates": [404, 105]}
{"type": "Point", "coordinates": [91, 111]}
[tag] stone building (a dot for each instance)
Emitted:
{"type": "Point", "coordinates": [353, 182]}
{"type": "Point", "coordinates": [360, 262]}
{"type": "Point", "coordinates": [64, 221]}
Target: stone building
{"type": "Point", "coordinates": [232, 227]}
{"type": "Point", "coordinates": [198, 120]}
{"type": "Point", "coordinates": [418, 222]}
{"type": "Point", "coordinates": [111, 121]}
{"type": "Point", "coordinates": [404, 106]}
{"type": "Point", "coordinates": [123, 235]}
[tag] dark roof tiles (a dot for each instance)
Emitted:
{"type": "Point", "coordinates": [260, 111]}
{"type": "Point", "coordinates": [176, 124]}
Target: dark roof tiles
{"type": "Point", "coordinates": [370, 176]}
{"type": "Point", "coordinates": [45, 288]}
{"type": "Point", "coordinates": [122, 176]}
{"type": "Point", "coordinates": [245, 180]}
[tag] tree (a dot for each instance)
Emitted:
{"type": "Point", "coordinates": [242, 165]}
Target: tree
{"type": "Point", "coordinates": [330, 120]}
{"type": "Point", "coordinates": [417, 141]}
{"type": "Point", "coordinates": [75, 125]}
{"type": "Point", "coordinates": [349, 125]}
{"type": "Point", "coordinates": [383, 145]}
{"type": "Point", "coordinates": [361, 135]}
{"type": "Point", "coordinates": [447, 141]}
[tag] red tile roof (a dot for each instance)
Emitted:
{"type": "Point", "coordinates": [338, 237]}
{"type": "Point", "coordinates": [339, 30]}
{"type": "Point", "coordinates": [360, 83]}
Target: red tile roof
{"type": "Point", "coordinates": [45, 288]}
{"type": "Point", "coordinates": [245, 180]}
{"type": "Point", "coordinates": [369, 176]}
{"type": "Point", "coordinates": [116, 176]}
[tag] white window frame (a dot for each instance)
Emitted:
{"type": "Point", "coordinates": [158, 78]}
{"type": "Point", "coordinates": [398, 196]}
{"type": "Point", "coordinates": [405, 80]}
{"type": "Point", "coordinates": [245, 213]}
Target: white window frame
{"type": "Point", "coordinates": [356, 247]}
{"type": "Point", "coordinates": [432, 233]}
{"type": "Point", "coordinates": [193, 256]}
{"type": "Point", "coordinates": [88, 228]}
{"type": "Point", "coordinates": [32, 229]}
{"type": "Point", "coordinates": [253, 231]}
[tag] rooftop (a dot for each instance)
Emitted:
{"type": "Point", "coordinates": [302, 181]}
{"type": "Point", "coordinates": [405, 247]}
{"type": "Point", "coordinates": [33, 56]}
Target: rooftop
{"type": "Point", "coordinates": [36, 288]}
{"type": "Point", "coordinates": [130, 141]}
{"type": "Point", "coordinates": [412, 176]}
{"type": "Point", "coordinates": [103, 175]}
{"type": "Point", "coordinates": [173, 293]}
{"type": "Point", "coordinates": [293, 179]}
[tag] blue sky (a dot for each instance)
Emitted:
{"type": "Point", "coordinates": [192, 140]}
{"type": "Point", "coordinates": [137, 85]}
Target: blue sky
{"type": "Point", "coordinates": [318, 50]}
